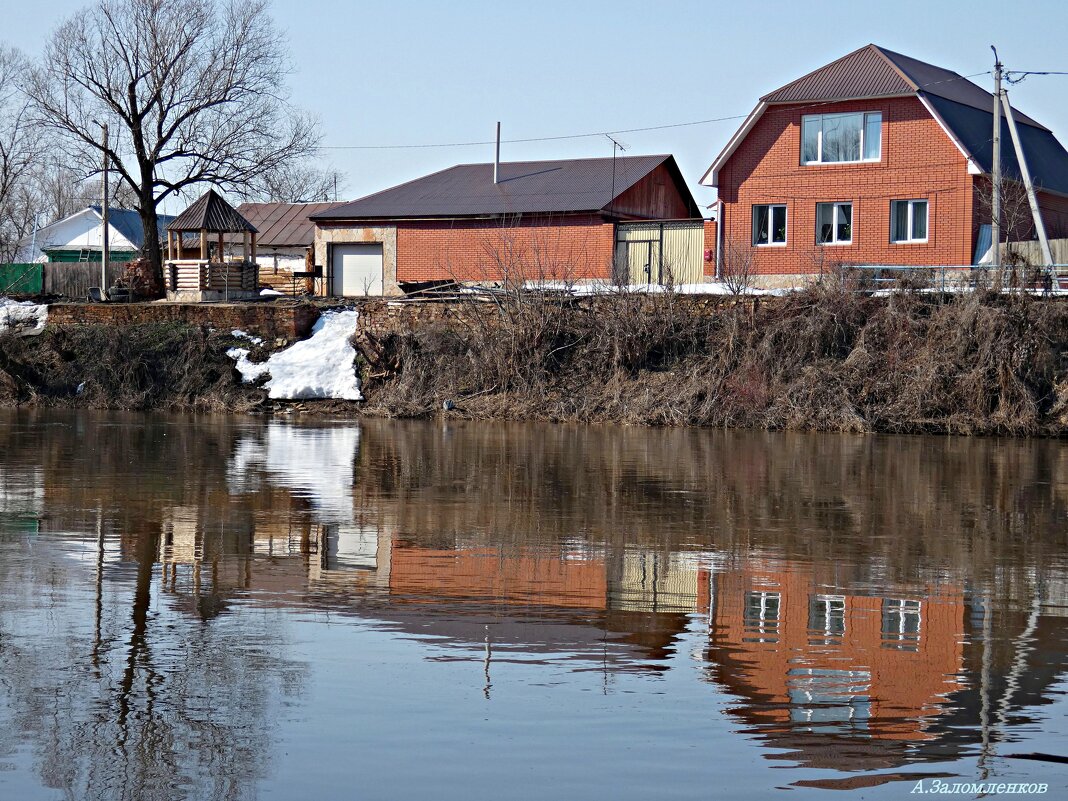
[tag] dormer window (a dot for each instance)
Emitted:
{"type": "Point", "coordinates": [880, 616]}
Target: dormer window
{"type": "Point", "coordinates": [838, 138]}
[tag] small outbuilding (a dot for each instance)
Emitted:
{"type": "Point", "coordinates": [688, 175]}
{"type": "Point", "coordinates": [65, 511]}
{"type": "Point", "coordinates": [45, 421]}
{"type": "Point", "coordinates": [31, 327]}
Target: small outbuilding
{"type": "Point", "coordinates": [197, 266]}
{"type": "Point", "coordinates": [629, 219]}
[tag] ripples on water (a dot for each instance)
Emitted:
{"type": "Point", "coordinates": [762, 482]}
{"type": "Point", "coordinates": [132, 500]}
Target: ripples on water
{"type": "Point", "coordinates": [216, 608]}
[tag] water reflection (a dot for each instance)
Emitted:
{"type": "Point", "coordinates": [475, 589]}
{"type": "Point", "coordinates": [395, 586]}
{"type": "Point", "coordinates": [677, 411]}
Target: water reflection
{"type": "Point", "coordinates": [859, 604]}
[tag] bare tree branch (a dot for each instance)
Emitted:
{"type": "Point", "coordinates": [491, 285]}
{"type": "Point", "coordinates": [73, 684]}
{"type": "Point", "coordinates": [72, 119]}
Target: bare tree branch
{"type": "Point", "coordinates": [192, 90]}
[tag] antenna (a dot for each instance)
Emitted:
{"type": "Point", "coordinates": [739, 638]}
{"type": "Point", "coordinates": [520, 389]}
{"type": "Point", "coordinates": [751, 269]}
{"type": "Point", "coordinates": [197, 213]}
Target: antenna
{"type": "Point", "coordinates": [616, 145]}
{"type": "Point", "coordinates": [497, 157]}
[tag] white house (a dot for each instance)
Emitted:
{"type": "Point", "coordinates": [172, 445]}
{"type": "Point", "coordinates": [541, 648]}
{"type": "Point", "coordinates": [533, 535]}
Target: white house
{"type": "Point", "coordinates": [79, 237]}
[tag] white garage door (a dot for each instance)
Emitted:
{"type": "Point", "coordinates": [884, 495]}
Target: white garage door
{"type": "Point", "coordinates": [357, 270]}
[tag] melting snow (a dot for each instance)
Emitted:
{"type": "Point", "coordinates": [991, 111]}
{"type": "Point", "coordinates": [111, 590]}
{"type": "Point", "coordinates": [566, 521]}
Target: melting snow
{"type": "Point", "coordinates": [318, 367]}
{"type": "Point", "coordinates": [21, 314]}
{"type": "Point", "coordinates": [237, 332]}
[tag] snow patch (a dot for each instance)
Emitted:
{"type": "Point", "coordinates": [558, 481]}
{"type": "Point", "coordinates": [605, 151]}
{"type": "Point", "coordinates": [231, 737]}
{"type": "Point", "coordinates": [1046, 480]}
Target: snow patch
{"type": "Point", "coordinates": [14, 313]}
{"type": "Point", "coordinates": [239, 334]}
{"type": "Point", "coordinates": [270, 292]}
{"type": "Point", "coordinates": [318, 367]}
{"type": "Point", "coordinates": [710, 288]}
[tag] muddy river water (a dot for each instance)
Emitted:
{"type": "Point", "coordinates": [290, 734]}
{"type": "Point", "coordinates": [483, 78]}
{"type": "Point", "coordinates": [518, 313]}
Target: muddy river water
{"type": "Point", "coordinates": [235, 608]}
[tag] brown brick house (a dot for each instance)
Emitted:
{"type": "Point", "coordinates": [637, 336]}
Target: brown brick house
{"type": "Point", "coordinates": [876, 158]}
{"type": "Point", "coordinates": [541, 220]}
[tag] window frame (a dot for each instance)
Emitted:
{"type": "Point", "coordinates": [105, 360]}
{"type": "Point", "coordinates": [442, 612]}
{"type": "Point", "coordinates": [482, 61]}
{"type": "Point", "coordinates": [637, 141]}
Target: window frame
{"type": "Point", "coordinates": [771, 243]}
{"type": "Point", "coordinates": [835, 205]}
{"type": "Point", "coordinates": [819, 138]}
{"type": "Point", "coordinates": [910, 221]}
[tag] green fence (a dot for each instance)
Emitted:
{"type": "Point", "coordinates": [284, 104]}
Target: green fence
{"type": "Point", "coordinates": [21, 279]}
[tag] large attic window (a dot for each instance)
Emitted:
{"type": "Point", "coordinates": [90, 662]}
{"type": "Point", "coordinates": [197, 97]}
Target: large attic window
{"type": "Point", "coordinates": [837, 138]}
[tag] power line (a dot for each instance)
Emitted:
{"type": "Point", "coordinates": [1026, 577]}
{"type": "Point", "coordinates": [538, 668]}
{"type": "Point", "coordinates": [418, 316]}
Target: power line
{"type": "Point", "coordinates": [592, 134]}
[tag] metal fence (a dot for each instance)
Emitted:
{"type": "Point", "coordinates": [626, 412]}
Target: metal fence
{"type": "Point", "coordinates": [21, 279]}
{"type": "Point", "coordinates": [947, 277]}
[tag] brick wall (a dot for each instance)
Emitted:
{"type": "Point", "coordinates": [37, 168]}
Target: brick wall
{"type": "Point", "coordinates": [918, 161]}
{"type": "Point", "coordinates": [709, 254]}
{"type": "Point", "coordinates": [265, 320]}
{"type": "Point", "coordinates": [542, 247]}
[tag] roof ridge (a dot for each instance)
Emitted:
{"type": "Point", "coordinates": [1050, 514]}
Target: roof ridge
{"type": "Point", "coordinates": [893, 65]}
{"type": "Point", "coordinates": [812, 72]}
{"type": "Point", "coordinates": [564, 161]}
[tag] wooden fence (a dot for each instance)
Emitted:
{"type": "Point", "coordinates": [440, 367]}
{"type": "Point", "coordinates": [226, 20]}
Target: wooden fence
{"type": "Point", "coordinates": [73, 279]}
{"type": "Point", "coordinates": [1031, 251]}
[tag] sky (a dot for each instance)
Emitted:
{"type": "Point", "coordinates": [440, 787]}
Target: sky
{"type": "Point", "coordinates": [412, 72]}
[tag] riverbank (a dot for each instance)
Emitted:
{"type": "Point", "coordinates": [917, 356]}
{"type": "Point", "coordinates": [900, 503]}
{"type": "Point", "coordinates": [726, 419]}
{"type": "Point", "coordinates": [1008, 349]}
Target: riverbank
{"type": "Point", "coordinates": [827, 358]}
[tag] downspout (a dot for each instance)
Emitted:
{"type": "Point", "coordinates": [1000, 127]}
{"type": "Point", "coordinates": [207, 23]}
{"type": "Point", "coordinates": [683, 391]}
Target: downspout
{"type": "Point", "coordinates": [719, 240]}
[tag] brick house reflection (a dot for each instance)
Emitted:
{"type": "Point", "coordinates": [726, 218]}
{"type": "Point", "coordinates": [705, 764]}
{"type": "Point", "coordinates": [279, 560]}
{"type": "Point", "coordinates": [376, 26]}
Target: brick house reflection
{"type": "Point", "coordinates": [817, 668]}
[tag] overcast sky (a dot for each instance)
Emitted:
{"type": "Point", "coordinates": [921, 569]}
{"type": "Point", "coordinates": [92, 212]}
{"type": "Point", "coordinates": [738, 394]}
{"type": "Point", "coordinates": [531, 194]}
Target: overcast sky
{"type": "Point", "coordinates": [402, 72]}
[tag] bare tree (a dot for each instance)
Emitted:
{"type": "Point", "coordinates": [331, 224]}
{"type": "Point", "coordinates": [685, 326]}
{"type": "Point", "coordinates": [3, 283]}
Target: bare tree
{"type": "Point", "coordinates": [295, 183]}
{"type": "Point", "coordinates": [21, 146]}
{"type": "Point", "coordinates": [1016, 221]}
{"type": "Point", "coordinates": [192, 91]}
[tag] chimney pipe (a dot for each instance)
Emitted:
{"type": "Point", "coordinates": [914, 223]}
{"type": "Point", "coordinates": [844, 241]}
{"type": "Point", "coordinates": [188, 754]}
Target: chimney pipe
{"type": "Point", "coordinates": [497, 157]}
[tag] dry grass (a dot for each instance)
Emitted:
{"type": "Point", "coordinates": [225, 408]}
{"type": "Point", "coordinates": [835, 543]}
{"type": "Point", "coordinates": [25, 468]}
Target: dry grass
{"type": "Point", "coordinates": [137, 367]}
{"type": "Point", "coordinates": [827, 358]}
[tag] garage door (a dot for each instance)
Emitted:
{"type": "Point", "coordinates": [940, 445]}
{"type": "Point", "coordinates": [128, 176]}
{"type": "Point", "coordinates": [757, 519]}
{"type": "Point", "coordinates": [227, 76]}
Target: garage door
{"type": "Point", "coordinates": [356, 270]}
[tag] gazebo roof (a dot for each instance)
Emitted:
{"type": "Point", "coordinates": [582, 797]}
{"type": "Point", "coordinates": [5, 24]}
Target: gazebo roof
{"type": "Point", "coordinates": [210, 212]}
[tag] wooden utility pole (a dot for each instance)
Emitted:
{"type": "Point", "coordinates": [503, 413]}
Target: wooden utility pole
{"type": "Point", "coordinates": [995, 179]}
{"type": "Point", "coordinates": [104, 212]}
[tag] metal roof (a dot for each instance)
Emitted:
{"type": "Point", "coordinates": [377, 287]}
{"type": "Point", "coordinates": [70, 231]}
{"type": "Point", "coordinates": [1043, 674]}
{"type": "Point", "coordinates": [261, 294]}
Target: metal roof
{"type": "Point", "coordinates": [863, 73]}
{"type": "Point", "coordinates": [525, 187]}
{"type": "Point", "coordinates": [283, 224]}
{"type": "Point", "coordinates": [874, 71]}
{"type": "Point", "coordinates": [1046, 158]}
{"type": "Point", "coordinates": [128, 223]}
{"type": "Point", "coordinates": [210, 212]}
{"type": "Point", "coordinates": [965, 109]}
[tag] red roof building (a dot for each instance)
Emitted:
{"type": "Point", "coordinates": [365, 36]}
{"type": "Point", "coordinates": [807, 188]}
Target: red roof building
{"type": "Point", "coordinates": [877, 159]}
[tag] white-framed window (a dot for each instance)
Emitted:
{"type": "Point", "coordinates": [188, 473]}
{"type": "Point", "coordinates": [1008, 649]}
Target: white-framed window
{"type": "Point", "coordinates": [908, 220]}
{"type": "Point", "coordinates": [762, 616]}
{"type": "Point", "coordinates": [834, 223]}
{"type": "Point", "coordinates": [837, 138]}
{"type": "Point", "coordinates": [769, 224]}
{"type": "Point", "coordinates": [902, 622]}
{"type": "Point", "coordinates": [826, 614]}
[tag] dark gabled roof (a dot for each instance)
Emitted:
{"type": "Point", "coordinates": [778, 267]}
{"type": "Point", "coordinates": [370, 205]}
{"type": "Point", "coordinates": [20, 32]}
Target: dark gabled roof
{"type": "Point", "coordinates": [1046, 158]}
{"type": "Point", "coordinates": [525, 187]}
{"type": "Point", "coordinates": [210, 212]}
{"type": "Point", "coordinates": [963, 108]}
{"type": "Point", "coordinates": [283, 224]}
{"type": "Point", "coordinates": [128, 223]}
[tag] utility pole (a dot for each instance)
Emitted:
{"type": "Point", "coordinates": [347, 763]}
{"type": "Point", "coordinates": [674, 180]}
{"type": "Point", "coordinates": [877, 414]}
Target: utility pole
{"type": "Point", "coordinates": [1032, 198]}
{"type": "Point", "coordinates": [104, 211]}
{"type": "Point", "coordinates": [995, 180]}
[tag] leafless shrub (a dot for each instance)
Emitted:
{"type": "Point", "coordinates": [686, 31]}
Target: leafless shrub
{"type": "Point", "coordinates": [827, 357]}
{"type": "Point", "coordinates": [736, 268]}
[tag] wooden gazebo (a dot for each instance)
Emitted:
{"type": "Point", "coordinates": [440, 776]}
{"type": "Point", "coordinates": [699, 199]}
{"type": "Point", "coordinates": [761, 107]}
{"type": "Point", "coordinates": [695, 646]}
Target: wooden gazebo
{"type": "Point", "coordinates": [198, 267]}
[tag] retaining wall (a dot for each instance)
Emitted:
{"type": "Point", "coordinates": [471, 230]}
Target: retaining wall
{"type": "Point", "coordinates": [265, 320]}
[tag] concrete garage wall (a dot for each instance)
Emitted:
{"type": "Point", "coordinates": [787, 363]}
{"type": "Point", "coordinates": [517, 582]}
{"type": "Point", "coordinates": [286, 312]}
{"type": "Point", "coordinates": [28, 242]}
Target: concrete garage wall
{"type": "Point", "coordinates": [386, 235]}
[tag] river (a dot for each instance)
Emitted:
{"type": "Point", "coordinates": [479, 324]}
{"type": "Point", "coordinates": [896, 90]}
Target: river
{"type": "Point", "coordinates": [240, 608]}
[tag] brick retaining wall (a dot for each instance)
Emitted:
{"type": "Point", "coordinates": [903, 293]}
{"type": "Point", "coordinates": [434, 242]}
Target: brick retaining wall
{"type": "Point", "coordinates": [263, 319]}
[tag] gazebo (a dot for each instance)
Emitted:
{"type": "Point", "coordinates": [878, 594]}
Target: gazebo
{"type": "Point", "coordinates": [200, 270]}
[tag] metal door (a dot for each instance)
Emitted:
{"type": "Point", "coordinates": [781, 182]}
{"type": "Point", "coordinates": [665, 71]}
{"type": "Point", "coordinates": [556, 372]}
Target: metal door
{"type": "Point", "coordinates": [356, 270]}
